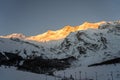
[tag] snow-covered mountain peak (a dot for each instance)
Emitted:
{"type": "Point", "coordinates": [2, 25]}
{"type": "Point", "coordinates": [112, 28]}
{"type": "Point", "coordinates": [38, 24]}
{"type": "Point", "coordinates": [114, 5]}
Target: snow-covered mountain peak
{"type": "Point", "coordinates": [14, 35]}
{"type": "Point", "coordinates": [110, 25]}
{"type": "Point", "coordinates": [62, 33]}
{"type": "Point", "coordinates": [84, 46]}
{"type": "Point", "coordinates": [56, 35]}
{"type": "Point", "coordinates": [87, 25]}
{"type": "Point", "coordinates": [103, 40]}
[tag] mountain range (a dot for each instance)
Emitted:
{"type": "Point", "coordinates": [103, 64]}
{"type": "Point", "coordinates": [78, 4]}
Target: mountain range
{"type": "Point", "coordinates": [90, 44]}
{"type": "Point", "coordinates": [55, 35]}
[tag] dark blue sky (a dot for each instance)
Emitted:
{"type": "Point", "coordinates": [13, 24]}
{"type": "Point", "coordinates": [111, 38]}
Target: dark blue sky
{"type": "Point", "coordinates": [32, 17]}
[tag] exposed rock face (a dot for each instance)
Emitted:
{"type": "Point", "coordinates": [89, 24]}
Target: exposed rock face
{"type": "Point", "coordinates": [2, 58]}
{"type": "Point", "coordinates": [107, 62]}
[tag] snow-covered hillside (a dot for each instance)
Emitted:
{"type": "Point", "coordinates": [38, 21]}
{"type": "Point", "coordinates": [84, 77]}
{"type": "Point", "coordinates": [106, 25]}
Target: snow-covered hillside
{"type": "Point", "coordinates": [105, 72]}
{"type": "Point", "coordinates": [13, 74]}
{"type": "Point", "coordinates": [84, 47]}
{"type": "Point", "coordinates": [92, 44]}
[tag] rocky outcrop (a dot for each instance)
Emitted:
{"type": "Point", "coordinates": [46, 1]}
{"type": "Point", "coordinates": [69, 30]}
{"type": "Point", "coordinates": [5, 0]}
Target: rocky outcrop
{"type": "Point", "coordinates": [111, 61]}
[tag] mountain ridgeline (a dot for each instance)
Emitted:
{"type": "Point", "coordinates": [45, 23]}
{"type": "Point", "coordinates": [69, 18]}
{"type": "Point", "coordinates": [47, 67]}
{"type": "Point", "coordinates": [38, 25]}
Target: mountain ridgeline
{"type": "Point", "coordinates": [84, 45]}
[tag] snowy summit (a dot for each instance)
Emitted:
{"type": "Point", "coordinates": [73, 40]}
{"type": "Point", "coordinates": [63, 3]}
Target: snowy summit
{"type": "Point", "coordinates": [90, 51]}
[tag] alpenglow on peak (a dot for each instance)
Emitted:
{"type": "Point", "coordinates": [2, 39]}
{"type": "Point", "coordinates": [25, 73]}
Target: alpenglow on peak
{"type": "Point", "coordinates": [55, 35]}
{"type": "Point", "coordinates": [62, 33]}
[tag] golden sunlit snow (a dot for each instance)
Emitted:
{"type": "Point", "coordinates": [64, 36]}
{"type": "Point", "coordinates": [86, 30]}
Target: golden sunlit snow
{"type": "Point", "coordinates": [56, 35]}
{"type": "Point", "coordinates": [62, 33]}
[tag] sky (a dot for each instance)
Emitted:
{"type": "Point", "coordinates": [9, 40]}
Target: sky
{"type": "Point", "coordinates": [32, 17]}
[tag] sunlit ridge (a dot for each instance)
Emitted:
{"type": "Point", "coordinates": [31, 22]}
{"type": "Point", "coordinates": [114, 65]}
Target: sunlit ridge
{"type": "Point", "coordinates": [55, 35]}
{"type": "Point", "coordinates": [62, 33]}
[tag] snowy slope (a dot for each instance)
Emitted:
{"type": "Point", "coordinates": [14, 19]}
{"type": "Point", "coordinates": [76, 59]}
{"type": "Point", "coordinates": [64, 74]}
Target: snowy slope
{"type": "Point", "coordinates": [93, 44]}
{"type": "Point", "coordinates": [12, 74]}
{"type": "Point", "coordinates": [106, 72]}
{"type": "Point", "coordinates": [16, 45]}
{"type": "Point", "coordinates": [87, 46]}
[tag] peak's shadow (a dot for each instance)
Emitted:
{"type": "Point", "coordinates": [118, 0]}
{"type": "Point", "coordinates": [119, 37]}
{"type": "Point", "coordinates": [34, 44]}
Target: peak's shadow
{"type": "Point", "coordinates": [34, 64]}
